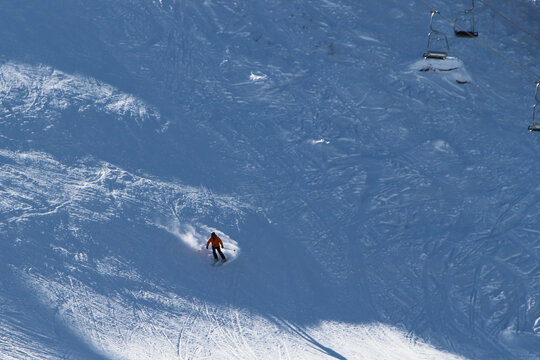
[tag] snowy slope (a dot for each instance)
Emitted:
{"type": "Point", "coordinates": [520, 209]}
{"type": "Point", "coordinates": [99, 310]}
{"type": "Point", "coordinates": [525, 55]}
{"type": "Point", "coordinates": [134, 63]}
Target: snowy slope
{"type": "Point", "coordinates": [369, 210]}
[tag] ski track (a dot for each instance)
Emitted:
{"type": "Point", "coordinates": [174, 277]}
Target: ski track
{"type": "Point", "coordinates": [122, 327]}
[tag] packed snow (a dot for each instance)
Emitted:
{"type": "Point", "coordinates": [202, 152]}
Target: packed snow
{"type": "Point", "coordinates": [373, 204]}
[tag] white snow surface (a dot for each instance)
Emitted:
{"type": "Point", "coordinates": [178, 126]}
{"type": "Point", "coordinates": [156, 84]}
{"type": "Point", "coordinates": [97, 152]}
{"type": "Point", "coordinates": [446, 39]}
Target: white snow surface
{"type": "Point", "coordinates": [373, 204]}
{"type": "Point", "coordinates": [43, 92]}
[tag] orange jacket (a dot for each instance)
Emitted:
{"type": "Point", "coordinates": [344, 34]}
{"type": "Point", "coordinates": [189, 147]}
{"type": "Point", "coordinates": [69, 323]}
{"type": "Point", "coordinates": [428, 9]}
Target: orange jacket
{"type": "Point", "coordinates": [216, 241]}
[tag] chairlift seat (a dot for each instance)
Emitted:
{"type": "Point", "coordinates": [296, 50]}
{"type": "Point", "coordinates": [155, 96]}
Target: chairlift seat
{"type": "Point", "coordinates": [438, 55]}
{"type": "Point", "coordinates": [465, 23]}
{"type": "Point", "coordinates": [466, 34]}
{"type": "Point", "coordinates": [534, 127]}
{"type": "Point", "coordinates": [436, 36]}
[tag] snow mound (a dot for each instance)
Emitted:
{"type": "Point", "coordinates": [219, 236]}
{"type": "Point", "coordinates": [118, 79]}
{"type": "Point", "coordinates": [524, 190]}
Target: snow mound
{"type": "Point", "coordinates": [452, 68]}
{"type": "Point", "coordinates": [97, 191]}
{"type": "Point", "coordinates": [41, 92]}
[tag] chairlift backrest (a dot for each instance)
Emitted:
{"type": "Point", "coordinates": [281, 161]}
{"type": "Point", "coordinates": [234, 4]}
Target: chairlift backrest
{"type": "Point", "coordinates": [465, 23]}
{"type": "Point", "coordinates": [438, 36]}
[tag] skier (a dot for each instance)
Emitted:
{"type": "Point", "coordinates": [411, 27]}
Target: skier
{"type": "Point", "coordinates": [216, 242]}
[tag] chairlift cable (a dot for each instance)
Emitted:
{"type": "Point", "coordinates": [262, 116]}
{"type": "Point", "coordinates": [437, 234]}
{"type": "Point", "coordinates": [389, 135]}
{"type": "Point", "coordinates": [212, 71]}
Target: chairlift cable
{"type": "Point", "coordinates": [515, 7]}
{"type": "Point", "coordinates": [509, 20]}
{"type": "Point", "coordinates": [489, 47]}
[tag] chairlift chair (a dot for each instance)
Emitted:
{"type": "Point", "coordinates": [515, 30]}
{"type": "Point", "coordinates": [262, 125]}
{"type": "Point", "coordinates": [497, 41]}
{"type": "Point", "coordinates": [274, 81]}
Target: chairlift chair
{"type": "Point", "coordinates": [535, 126]}
{"type": "Point", "coordinates": [465, 23]}
{"type": "Point", "coordinates": [436, 36]}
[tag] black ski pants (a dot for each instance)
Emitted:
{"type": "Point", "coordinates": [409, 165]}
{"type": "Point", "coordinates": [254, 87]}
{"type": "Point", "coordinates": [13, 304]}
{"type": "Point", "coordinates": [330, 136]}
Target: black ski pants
{"type": "Point", "coordinates": [219, 251]}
